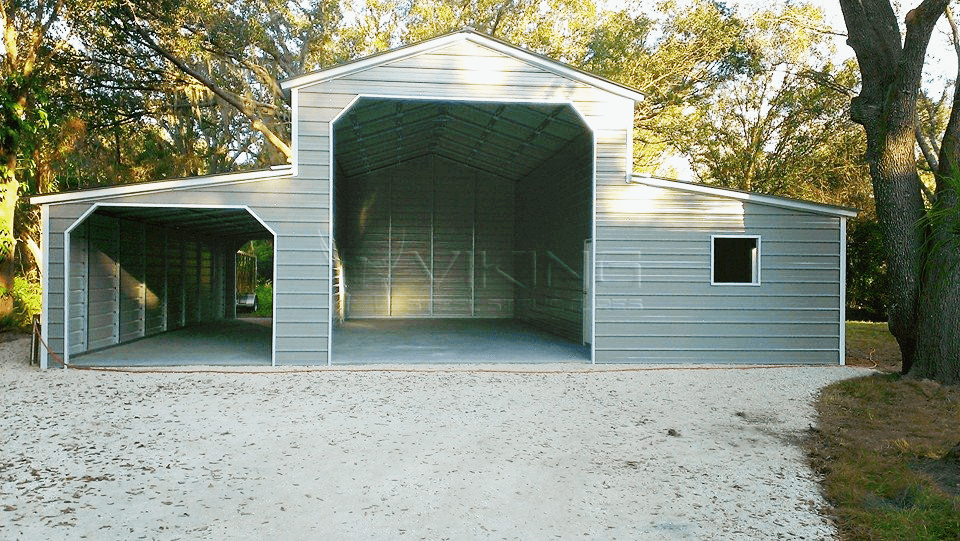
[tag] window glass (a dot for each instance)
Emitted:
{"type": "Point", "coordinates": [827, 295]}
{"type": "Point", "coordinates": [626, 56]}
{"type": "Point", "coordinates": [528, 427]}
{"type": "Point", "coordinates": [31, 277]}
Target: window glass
{"type": "Point", "coordinates": [736, 260]}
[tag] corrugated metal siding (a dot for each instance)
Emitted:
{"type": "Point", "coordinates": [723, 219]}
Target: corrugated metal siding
{"type": "Point", "coordinates": [427, 239]}
{"type": "Point", "coordinates": [553, 221]}
{"type": "Point", "coordinates": [654, 298]}
{"type": "Point", "coordinates": [78, 290]}
{"type": "Point", "coordinates": [494, 239]}
{"type": "Point", "coordinates": [103, 305]}
{"type": "Point", "coordinates": [155, 281]}
{"type": "Point", "coordinates": [129, 279]}
{"type": "Point", "coordinates": [464, 71]}
{"type": "Point", "coordinates": [132, 289]}
{"type": "Point", "coordinates": [176, 281]}
{"type": "Point", "coordinates": [468, 71]}
{"type": "Point", "coordinates": [191, 281]}
{"type": "Point", "coordinates": [297, 209]}
{"type": "Point", "coordinates": [455, 224]}
{"type": "Point", "coordinates": [207, 286]}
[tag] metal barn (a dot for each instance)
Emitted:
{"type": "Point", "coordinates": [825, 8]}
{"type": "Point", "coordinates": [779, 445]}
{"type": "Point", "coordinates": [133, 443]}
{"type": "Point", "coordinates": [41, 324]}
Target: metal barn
{"type": "Point", "coordinates": [448, 195]}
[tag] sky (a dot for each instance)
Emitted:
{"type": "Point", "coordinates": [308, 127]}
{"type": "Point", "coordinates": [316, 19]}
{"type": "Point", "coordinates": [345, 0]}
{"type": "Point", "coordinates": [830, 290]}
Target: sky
{"type": "Point", "coordinates": [941, 65]}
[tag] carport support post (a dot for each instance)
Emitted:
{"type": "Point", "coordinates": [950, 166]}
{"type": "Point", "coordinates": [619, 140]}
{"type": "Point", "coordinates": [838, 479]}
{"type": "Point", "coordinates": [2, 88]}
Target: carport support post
{"type": "Point", "coordinates": [45, 294]}
{"type": "Point", "coordinates": [843, 291]}
{"type": "Point", "coordinates": [230, 282]}
{"type": "Point", "coordinates": [66, 294]}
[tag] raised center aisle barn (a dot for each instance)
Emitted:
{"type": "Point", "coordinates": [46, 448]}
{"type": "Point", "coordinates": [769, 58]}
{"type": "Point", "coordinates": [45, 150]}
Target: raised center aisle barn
{"type": "Point", "coordinates": [457, 200]}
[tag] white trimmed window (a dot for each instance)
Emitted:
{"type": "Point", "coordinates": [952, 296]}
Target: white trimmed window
{"type": "Point", "coordinates": [735, 260]}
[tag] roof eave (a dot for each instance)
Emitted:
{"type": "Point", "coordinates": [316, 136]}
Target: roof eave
{"type": "Point", "coordinates": [782, 202]}
{"type": "Point", "coordinates": [161, 186]}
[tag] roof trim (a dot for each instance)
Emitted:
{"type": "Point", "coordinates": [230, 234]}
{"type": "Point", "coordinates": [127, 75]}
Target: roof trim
{"type": "Point", "coordinates": [161, 186]}
{"type": "Point", "coordinates": [467, 34]}
{"type": "Point", "coordinates": [771, 200]}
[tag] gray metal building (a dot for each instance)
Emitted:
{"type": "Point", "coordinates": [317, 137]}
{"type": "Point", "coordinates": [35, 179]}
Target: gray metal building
{"type": "Point", "coordinates": [457, 178]}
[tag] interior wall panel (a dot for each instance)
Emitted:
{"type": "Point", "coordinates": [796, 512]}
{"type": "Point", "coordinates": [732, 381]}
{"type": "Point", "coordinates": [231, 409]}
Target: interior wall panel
{"type": "Point", "coordinates": [554, 213]}
{"type": "Point", "coordinates": [427, 239]}
{"type": "Point", "coordinates": [132, 275]}
{"type": "Point", "coordinates": [176, 281]}
{"type": "Point", "coordinates": [103, 303]}
{"type": "Point", "coordinates": [191, 281]}
{"type": "Point", "coordinates": [155, 280]}
{"type": "Point", "coordinates": [79, 282]}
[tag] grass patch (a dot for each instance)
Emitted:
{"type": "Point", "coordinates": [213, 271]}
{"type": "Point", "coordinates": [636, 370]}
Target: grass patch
{"type": "Point", "coordinates": [264, 300]}
{"type": "Point", "coordinates": [881, 447]}
{"type": "Point", "coordinates": [871, 345]}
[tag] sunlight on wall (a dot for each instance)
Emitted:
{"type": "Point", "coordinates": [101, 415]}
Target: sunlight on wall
{"type": "Point", "coordinates": [629, 199]}
{"type": "Point", "coordinates": [485, 71]}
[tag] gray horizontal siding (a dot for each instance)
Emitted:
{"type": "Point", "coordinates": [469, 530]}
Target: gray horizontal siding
{"type": "Point", "coordinates": [714, 355]}
{"type": "Point", "coordinates": [654, 299]}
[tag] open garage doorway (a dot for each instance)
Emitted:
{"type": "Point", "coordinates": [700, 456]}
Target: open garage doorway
{"type": "Point", "coordinates": [459, 229]}
{"type": "Point", "coordinates": [156, 285]}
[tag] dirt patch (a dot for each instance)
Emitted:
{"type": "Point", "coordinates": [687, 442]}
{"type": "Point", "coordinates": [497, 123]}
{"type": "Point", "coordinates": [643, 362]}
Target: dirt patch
{"type": "Point", "coordinates": [11, 336]}
{"type": "Point", "coordinates": [871, 345]}
{"type": "Point", "coordinates": [945, 473]}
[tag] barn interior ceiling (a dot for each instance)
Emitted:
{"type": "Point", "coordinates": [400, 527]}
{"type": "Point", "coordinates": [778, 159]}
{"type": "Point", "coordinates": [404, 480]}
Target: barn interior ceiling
{"type": "Point", "coordinates": [508, 140]}
{"type": "Point", "coordinates": [205, 222]}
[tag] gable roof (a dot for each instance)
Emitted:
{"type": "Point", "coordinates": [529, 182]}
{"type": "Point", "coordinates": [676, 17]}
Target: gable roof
{"type": "Point", "coordinates": [464, 35]}
{"type": "Point", "coordinates": [771, 200]}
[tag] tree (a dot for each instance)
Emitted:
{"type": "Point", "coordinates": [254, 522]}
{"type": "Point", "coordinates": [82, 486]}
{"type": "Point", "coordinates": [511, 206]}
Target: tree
{"type": "Point", "coordinates": [678, 59]}
{"type": "Point", "coordinates": [231, 54]}
{"type": "Point", "coordinates": [34, 44]}
{"type": "Point", "coordinates": [922, 247]}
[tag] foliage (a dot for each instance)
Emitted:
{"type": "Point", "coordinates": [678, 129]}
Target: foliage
{"type": "Point", "coordinates": [780, 128]}
{"type": "Point", "coordinates": [264, 299]}
{"type": "Point", "coordinates": [866, 271]}
{"type": "Point", "coordinates": [881, 448]}
{"type": "Point", "coordinates": [263, 251]}
{"type": "Point", "coordinates": [27, 301]}
{"type": "Point", "coordinates": [679, 61]}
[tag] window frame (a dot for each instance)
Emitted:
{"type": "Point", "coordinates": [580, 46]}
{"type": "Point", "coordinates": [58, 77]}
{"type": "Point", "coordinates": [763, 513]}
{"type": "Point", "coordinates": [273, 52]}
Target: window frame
{"type": "Point", "coordinates": [756, 263]}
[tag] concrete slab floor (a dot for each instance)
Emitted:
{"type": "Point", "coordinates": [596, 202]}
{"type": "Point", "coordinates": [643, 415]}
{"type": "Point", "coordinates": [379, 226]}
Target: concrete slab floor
{"type": "Point", "coordinates": [246, 342]}
{"type": "Point", "coordinates": [449, 341]}
{"type": "Point", "coordinates": [239, 342]}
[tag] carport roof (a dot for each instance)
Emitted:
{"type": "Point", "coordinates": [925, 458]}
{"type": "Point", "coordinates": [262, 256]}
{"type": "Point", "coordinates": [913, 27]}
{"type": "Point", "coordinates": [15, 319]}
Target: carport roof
{"type": "Point", "coordinates": [276, 171]}
{"type": "Point", "coordinates": [204, 222]}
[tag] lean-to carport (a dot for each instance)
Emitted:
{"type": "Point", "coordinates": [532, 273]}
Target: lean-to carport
{"type": "Point", "coordinates": [136, 272]}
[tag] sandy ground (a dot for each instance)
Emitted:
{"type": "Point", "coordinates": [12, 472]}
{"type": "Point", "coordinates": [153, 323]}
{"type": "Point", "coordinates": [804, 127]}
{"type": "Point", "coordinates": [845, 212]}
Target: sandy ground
{"type": "Point", "coordinates": [485, 452]}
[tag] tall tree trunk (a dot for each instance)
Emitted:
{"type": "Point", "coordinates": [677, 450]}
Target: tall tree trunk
{"type": "Point", "coordinates": [886, 108]}
{"type": "Point", "coordinates": [938, 318]}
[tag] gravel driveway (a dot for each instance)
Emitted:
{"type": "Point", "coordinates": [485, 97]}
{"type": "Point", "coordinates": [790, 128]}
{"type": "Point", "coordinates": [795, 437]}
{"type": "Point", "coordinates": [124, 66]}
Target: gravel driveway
{"type": "Point", "coordinates": [481, 452]}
